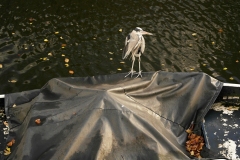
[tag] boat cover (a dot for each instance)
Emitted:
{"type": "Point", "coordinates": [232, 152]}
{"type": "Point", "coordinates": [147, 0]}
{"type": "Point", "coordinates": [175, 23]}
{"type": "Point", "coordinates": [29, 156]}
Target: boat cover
{"type": "Point", "coordinates": [109, 116]}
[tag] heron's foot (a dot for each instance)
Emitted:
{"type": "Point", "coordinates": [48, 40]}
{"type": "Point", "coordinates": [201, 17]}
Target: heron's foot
{"type": "Point", "coordinates": [132, 72]}
{"type": "Point", "coordinates": [139, 74]}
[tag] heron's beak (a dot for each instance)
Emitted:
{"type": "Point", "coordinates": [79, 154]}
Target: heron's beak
{"type": "Point", "coordinates": [146, 33]}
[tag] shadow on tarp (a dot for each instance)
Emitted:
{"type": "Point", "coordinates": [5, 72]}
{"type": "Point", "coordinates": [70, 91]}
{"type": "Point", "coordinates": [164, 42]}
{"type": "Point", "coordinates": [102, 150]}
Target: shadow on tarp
{"type": "Point", "coordinates": [109, 116]}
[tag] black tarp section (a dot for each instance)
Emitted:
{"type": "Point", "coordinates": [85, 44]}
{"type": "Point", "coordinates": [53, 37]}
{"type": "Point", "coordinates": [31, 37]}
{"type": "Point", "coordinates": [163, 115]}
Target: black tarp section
{"type": "Point", "coordinates": [110, 117]}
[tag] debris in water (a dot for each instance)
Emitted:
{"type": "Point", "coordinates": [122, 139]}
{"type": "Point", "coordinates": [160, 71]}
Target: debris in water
{"type": "Point", "coordinates": [220, 107]}
{"type": "Point", "coordinates": [229, 150]}
{"type": "Point", "coordinates": [66, 60]}
{"type": "Point", "coordinates": [71, 71]}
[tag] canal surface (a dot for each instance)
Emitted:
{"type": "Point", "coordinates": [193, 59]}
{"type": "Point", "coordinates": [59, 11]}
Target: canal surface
{"type": "Point", "coordinates": [44, 39]}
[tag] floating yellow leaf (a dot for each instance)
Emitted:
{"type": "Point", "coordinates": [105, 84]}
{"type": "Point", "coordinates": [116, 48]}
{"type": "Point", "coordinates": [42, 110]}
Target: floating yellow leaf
{"type": "Point", "coordinates": [1, 66]}
{"type": "Point", "coordinates": [204, 64]}
{"type": "Point", "coordinates": [110, 52]}
{"type": "Point", "coordinates": [61, 37]}
{"type": "Point", "coordinates": [194, 34]}
{"type": "Point", "coordinates": [71, 71]}
{"type": "Point", "coordinates": [225, 69]}
{"type": "Point", "coordinates": [13, 33]}
{"type": "Point", "coordinates": [14, 105]}
{"type": "Point", "coordinates": [45, 40]}
{"type": "Point", "coordinates": [122, 62]}
{"type": "Point", "coordinates": [213, 43]}
{"type": "Point", "coordinates": [111, 59]}
{"type": "Point", "coordinates": [12, 81]}
{"type": "Point", "coordinates": [237, 61]}
{"type": "Point", "coordinates": [120, 30]}
{"type": "Point", "coordinates": [45, 58]}
{"type": "Point", "coordinates": [50, 54]}
{"type": "Point", "coordinates": [56, 32]}
{"type": "Point", "coordinates": [30, 23]}
{"type": "Point", "coordinates": [231, 78]}
{"type": "Point", "coordinates": [66, 60]}
{"type": "Point", "coordinates": [119, 69]}
{"type": "Point", "coordinates": [67, 65]}
{"type": "Point", "coordinates": [63, 55]}
{"type": "Point", "coordinates": [191, 69]}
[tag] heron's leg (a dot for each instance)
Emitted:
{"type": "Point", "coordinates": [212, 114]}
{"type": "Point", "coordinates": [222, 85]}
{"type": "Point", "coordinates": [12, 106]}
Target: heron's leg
{"type": "Point", "coordinates": [140, 71]}
{"type": "Point", "coordinates": [132, 71]}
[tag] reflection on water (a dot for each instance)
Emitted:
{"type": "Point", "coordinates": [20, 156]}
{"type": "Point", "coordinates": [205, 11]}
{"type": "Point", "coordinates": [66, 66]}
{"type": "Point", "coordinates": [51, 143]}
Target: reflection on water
{"type": "Point", "coordinates": [40, 40]}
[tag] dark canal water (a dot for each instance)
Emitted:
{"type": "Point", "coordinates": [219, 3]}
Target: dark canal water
{"type": "Point", "coordinates": [43, 39]}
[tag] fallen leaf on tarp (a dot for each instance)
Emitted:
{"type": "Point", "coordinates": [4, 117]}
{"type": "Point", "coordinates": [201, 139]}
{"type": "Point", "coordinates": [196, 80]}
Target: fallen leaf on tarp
{"type": "Point", "coordinates": [5, 123]}
{"type": "Point", "coordinates": [7, 151]}
{"type": "Point", "coordinates": [9, 144]}
{"type": "Point", "coordinates": [38, 121]}
{"type": "Point", "coordinates": [194, 144]}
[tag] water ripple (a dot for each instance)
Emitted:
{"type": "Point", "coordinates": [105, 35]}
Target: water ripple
{"type": "Point", "coordinates": [36, 39]}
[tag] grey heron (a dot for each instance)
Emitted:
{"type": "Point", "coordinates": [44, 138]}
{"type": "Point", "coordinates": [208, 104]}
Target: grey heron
{"type": "Point", "coordinates": [135, 44]}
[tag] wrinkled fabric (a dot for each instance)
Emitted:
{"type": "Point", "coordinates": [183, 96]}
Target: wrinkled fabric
{"type": "Point", "coordinates": [109, 116]}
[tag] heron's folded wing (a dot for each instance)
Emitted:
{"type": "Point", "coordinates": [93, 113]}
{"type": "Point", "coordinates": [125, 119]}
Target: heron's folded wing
{"type": "Point", "coordinates": [130, 42]}
{"type": "Point", "coordinates": [142, 44]}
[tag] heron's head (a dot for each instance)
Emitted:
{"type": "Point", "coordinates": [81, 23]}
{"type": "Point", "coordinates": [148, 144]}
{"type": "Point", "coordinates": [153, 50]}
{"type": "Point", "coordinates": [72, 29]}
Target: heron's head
{"type": "Point", "coordinates": [138, 29]}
